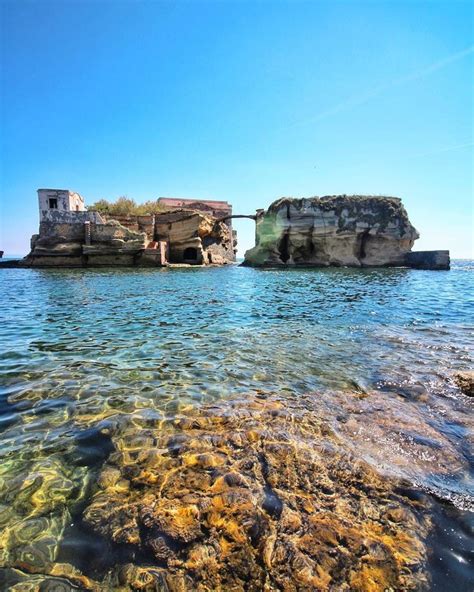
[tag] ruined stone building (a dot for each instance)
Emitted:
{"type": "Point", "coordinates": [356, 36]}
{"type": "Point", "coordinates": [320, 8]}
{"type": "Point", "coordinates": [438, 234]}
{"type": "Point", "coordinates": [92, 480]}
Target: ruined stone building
{"type": "Point", "coordinates": [218, 209]}
{"type": "Point", "coordinates": [52, 201]}
{"type": "Point", "coordinates": [189, 232]}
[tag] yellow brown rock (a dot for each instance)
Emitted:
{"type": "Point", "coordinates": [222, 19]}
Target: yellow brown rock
{"type": "Point", "coordinates": [259, 496]}
{"type": "Point", "coordinates": [465, 381]}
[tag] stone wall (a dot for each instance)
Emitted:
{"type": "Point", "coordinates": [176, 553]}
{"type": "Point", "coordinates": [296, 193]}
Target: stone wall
{"type": "Point", "coordinates": [58, 238]}
{"type": "Point", "coordinates": [64, 244]}
{"type": "Point", "coordinates": [67, 217]}
{"type": "Point", "coordinates": [113, 238]}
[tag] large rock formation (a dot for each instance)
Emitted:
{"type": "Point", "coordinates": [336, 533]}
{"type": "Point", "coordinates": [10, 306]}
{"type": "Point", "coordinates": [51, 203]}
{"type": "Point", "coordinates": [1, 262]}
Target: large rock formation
{"type": "Point", "coordinates": [355, 231]}
{"type": "Point", "coordinates": [195, 237]}
{"type": "Point", "coordinates": [72, 240]}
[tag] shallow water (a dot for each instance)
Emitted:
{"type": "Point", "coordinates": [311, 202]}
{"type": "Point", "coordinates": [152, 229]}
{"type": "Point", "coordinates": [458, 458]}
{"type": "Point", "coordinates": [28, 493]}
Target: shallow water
{"type": "Point", "coordinates": [82, 346]}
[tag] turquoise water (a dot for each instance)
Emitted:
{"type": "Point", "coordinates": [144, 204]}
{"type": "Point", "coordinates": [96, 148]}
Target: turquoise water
{"type": "Point", "coordinates": [77, 343]}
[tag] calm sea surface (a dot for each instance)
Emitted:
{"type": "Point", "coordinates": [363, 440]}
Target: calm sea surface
{"type": "Point", "coordinates": [76, 343]}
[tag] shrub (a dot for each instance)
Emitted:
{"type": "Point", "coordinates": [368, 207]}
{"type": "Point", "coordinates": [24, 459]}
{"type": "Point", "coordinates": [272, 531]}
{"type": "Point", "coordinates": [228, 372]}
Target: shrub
{"type": "Point", "coordinates": [126, 206]}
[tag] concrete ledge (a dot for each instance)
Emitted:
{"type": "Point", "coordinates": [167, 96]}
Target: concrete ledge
{"type": "Point", "coordinates": [428, 259]}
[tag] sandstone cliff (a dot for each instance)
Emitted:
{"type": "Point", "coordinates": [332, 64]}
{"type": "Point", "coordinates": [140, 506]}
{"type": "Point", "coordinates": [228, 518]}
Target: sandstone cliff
{"type": "Point", "coordinates": [350, 230]}
{"type": "Point", "coordinates": [194, 237]}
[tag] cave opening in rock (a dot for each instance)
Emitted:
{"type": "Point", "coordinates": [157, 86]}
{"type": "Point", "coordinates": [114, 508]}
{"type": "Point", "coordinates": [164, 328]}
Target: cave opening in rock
{"type": "Point", "coordinates": [363, 238]}
{"type": "Point", "coordinates": [190, 254]}
{"type": "Point", "coordinates": [284, 247]}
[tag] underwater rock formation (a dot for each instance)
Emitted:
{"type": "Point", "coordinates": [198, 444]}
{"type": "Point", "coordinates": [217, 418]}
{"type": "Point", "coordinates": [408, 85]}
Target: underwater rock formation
{"type": "Point", "coordinates": [35, 503]}
{"type": "Point", "coordinates": [355, 231]}
{"type": "Point", "coordinates": [320, 492]}
{"type": "Point", "coordinates": [465, 381]}
{"type": "Point", "coordinates": [255, 497]}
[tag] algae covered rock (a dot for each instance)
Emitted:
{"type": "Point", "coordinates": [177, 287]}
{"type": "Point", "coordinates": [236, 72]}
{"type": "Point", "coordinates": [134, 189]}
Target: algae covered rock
{"type": "Point", "coordinates": [465, 381]}
{"type": "Point", "coordinates": [349, 230]}
{"type": "Point", "coordinates": [35, 504]}
{"type": "Point", "coordinates": [261, 495]}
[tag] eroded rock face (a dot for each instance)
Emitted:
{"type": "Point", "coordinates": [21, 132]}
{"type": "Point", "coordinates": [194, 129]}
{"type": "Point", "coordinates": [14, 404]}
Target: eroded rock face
{"type": "Point", "coordinates": [192, 237]}
{"type": "Point", "coordinates": [195, 237]}
{"type": "Point", "coordinates": [256, 496]}
{"type": "Point", "coordinates": [345, 230]}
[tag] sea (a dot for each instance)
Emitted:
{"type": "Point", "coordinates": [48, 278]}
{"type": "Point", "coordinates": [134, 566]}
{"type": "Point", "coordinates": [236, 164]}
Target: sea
{"type": "Point", "coordinates": [81, 345]}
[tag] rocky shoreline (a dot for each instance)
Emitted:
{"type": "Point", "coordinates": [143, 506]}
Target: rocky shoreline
{"type": "Point", "coordinates": [258, 494]}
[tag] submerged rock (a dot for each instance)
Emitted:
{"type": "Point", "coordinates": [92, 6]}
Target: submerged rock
{"type": "Point", "coordinates": [255, 495]}
{"type": "Point", "coordinates": [322, 492]}
{"type": "Point", "coordinates": [355, 231]}
{"type": "Point", "coordinates": [35, 503]}
{"type": "Point", "coordinates": [465, 381]}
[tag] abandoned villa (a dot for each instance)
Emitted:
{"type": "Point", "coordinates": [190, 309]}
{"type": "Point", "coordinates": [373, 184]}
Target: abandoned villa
{"type": "Point", "coordinates": [188, 231]}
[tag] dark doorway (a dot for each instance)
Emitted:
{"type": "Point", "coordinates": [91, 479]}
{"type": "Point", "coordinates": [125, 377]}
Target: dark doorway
{"type": "Point", "coordinates": [53, 203]}
{"type": "Point", "coordinates": [284, 247]}
{"type": "Point", "coordinates": [190, 254]}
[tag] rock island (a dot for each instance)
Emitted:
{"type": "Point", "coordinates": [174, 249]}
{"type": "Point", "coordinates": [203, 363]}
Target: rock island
{"type": "Point", "coordinates": [335, 230]}
{"type": "Point", "coordinates": [339, 230]}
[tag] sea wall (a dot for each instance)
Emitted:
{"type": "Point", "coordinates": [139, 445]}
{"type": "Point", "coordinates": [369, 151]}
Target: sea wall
{"type": "Point", "coordinates": [339, 230]}
{"type": "Point", "coordinates": [428, 260]}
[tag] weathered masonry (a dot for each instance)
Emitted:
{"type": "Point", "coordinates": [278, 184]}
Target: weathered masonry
{"type": "Point", "coordinates": [72, 236]}
{"type": "Point", "coordinates": [58, 201]}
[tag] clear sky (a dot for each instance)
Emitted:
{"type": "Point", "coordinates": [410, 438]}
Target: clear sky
{"type": "Point", "coordinates": [244, 101]}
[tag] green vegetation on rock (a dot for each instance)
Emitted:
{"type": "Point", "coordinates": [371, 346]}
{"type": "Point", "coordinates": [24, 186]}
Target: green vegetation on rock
{"type": "Point", "coordinates": [126, 206]}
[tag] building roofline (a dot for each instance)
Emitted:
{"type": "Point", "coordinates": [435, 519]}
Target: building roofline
{"type": "Point", "coordinates": [52, 189]}
{"type": "Point", "coordinates": [56, 189]}
{"type": "Point", "coordinates": [195, 200]}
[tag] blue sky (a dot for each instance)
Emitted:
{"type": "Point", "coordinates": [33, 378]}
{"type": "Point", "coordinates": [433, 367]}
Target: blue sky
{"type": "Point", "coordinates": [244, 101]}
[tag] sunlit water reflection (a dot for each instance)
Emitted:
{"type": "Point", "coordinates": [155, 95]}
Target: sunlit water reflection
{"type": "Point", "coordinates": [80, 346]}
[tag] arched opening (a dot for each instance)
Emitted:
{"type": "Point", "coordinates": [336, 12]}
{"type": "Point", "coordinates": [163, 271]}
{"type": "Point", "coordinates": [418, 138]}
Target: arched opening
{"type": "Point", "coordinates": [190, 255]}
{"type": "Point", "coordinates": [245, 238]}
